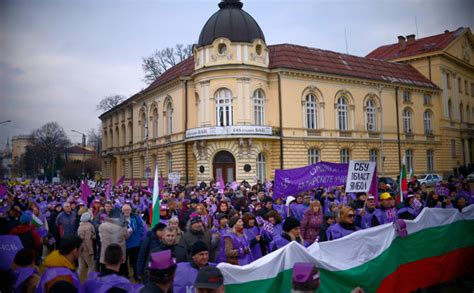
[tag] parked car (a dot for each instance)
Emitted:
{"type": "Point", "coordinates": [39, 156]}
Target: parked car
{"type": "Point", "coordinates": [470, 177]}
{"type": "Point", "coordinates": [429, 179]}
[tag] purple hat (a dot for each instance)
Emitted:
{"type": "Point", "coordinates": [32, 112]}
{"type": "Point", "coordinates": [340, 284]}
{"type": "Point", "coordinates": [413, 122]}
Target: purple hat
{"type": "Point", "coordinates": [401, 228]}
{"type": "Point", "coordinates": [304, 272]}
{"type": "Point", "coordinates": [161, 260]}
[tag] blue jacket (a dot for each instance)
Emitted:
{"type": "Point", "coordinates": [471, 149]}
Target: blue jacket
{"type": "Point", "coordinates": [137, 227]}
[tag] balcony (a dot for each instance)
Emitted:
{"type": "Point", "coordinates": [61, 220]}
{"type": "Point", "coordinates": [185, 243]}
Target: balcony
{"type": "Point", "coordinates": [313, 132]}
{"type": "Point", "coordinates": [345, 133]}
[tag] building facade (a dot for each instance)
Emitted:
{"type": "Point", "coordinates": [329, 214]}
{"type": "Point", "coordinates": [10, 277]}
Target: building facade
{"type": "Point", "coordinates": [241, 109]}
{"type": "Point", "coordinates": [447, 60]}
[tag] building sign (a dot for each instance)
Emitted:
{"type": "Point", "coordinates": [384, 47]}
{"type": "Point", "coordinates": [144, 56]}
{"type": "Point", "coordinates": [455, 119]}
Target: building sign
{"type": "Point", "coordinates": [229, 130]}
{"type": "Point", "coordinates": [359, 176]}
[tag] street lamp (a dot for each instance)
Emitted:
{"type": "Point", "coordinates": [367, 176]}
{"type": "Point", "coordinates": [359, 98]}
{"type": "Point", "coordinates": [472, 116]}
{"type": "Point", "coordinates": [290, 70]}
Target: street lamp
{"type": "Point", "coordinates": [83, 151]}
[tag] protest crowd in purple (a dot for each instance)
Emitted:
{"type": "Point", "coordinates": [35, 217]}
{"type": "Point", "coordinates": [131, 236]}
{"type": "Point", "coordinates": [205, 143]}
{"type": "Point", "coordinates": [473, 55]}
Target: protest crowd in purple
{"type": "Point", "coordinates": [103, 242]}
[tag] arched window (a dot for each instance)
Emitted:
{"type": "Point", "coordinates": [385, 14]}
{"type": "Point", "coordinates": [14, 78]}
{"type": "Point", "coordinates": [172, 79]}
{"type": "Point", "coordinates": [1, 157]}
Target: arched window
{"type": "Point", "coordinates": [427, 123]}
{"type": "Point", "coordinates": [342, 114]}
{"type": "Point", "coordinates": [311, 112]}
{"type": "Point", "coordinates": [259, 107]}
{"type": "Point", "coordinates": [313, 156]}
{"type": "Point", "coordinates": [111, 141]}
{"type": "Point", "coordinates": [261, 167]}
{"type": "Point", "coordinates": [409, 159]}
{"type": "Point", "coordinates": [370, 115]}
{"type": "Point", "coordinates": [117, 136]}
{"type": "Point", "coordinates": [450, 110]}
{"type": "Point", "coordinates": [144, 127]}
{"type": "Point", "coordinates": [461, 116]}
{"type": "Point", "coordinates": [155, 123]}
{"type": "Point", "coordinates": [224, 108]}
{"type": "Point", "coordinates": [468, 114]}
{"type": "Point", "coordinates": [124, 135]}
{"type": "Point", "coordinates": [407, 120]}
{"type": "Point", "coordinates": [345, 156]}
{"type": "Point", "coordinates": [169, 162]}
{"type": "Point", "coordinates": [104, 140]}
{"type": "Point", "coordinates": [429, 160]}
{"type": "Point", "coordinates": [130, 132]}
{"type": "Point", "coordinates": [169, 110]}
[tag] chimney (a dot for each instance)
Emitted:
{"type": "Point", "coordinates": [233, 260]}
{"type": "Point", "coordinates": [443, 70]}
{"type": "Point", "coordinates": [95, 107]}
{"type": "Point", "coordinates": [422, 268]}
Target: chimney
{"type": "Point", "coordinates": [402, 43]}
{"type": "Point", "coordinates": [410, 39]}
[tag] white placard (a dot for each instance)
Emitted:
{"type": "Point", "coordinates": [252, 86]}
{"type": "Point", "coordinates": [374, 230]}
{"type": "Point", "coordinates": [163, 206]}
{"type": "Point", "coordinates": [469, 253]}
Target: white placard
{"type": "Point", "coordinates": [359, 176]}
{"type": "Point", "coordinates": [174, 178]}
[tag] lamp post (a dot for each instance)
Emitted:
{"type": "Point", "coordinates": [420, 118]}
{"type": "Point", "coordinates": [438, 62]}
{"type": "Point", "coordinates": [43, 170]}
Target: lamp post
{"type": "Point", "coordinates": [382, 152]}
{"type": "Point", "coordinates": [83, 151]}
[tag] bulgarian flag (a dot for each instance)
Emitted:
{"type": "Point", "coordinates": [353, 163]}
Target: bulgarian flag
{"type": "Point", "coordinates": [439, 247]}
{"type": "Point", "coordinates": [403, 179]}
{"type": "Point", "coordinates": [155, 205]}
{"type": "Point", "coordinates": [412, 175]}
{"type": "Point", "coordinates": [36, 221]}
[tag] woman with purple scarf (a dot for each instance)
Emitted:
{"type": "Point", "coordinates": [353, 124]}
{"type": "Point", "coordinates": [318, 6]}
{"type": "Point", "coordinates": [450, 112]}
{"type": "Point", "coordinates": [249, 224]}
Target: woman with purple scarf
{"type": "Point", "coordinates": [236, 247]}
{"type": "Point", "coordinates": [252, 232]}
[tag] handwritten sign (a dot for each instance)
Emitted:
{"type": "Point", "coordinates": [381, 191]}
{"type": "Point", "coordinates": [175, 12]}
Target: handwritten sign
{"type": "Point", "coordinates": [359, 176]}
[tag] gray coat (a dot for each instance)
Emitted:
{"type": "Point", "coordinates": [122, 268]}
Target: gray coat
{"type": "Point", "coordinates": [191, 237]}
{"type": "Point", "coordinates": [112, 231]}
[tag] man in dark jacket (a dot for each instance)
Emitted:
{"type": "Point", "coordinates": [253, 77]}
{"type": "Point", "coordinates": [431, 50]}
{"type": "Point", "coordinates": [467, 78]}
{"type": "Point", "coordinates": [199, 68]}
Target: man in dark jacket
{"type": "Point", "coordinates": [168, 242]}
{"type": "Point", "coordinates": [152, 241]}
{"type": "Point", "coordinates": [196, 233]}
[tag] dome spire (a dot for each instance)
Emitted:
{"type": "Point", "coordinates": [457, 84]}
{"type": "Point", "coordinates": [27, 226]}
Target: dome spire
{"type": "Point", "coordinates": [231, 4]}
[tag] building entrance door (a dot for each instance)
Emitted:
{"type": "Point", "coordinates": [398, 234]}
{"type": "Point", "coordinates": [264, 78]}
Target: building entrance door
{"type": "Point", "coordinates": [224, 165]}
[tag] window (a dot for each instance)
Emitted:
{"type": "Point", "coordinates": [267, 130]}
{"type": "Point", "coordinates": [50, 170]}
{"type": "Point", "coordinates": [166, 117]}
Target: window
{"type": "Point", "coordinates": [224, 108]}
{"type": "Point", "coordinates": [370, 115]}
{"type": "Point", "coordinates": [117, 136]}
{"type": "Point", "coordinates": [155, 123]}
{"type": "Point", "coordinates": [373, 155]}
{"type": "Point", "coordinates": [459, 85]}
{"type": "Point", "coordinates": [450, 110]}
{"type": "Point", "coordinates": [448, 80]}
{"type": "Point", "coordinates": [258, 107]}
{"type": "Point", "coordinates": [111, 142]}
{"type": "Point", "coordinates": [409, 158]}
{"type": "Point", "coordinates": [426, 99]}
{"type": "Point", "coordinates": [222, 48]}
{"type": "Point", "coordinates": [261, 167]}
{"type": "Point", "coordinates": [144, 126]}
{"type": "Point", "coordinates": [406, 96]}
{"type": "Point", "coordinates": [427, 122]}
{"type": "Point", "coordinates": [472, 89]}
{"type": "Point", "coordinates": [124, 135]}
{"type": "Point", "coordinates": [466, 89]}
{"type": "Point", "coordinates": [407, 120]}
{"type": "Point", "coordinates": [345, 156]}
{"type": "Point", "coordinates": [142, 166]}
{"type": "Point", "coordinates": [342, 113]}
{"type": "Point", "coordinates": [169, 110]}
{"type": "Point", "coordinates": [130, 167]}
{"type": "Point", "coordinates": [123, 167]}
{"type": "Point", "coordinates": [468, 114]}
{"type": "Point", "coordinates": [313, 156]}
{"type": "Point", "coordinates": [311, 112]}
{"type": "Point", "coordinates": [130, 132]}
{"type": "Point", "coordinates": [453, 148]}
{"type": "Point", "coordinates": [169, 161]}
{"type": "Point", "coordinates": [461, 116]}
{"type": "Point", "coordinates": [429, 161]}
{"type": "Point", "coordinates": [104, 140]}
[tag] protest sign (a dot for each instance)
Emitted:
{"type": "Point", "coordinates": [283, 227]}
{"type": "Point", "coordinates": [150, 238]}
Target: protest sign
{"type": "Point", "coordinates": [359, 176]}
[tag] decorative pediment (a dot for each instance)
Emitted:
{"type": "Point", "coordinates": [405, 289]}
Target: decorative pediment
{"type": "Point", "coordinates": [314, 145]}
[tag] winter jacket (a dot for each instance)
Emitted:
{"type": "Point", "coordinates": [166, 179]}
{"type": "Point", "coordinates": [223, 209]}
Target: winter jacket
{"type": "Point", "coordinates": [87, 233]}
{"type": "Point", "coordinates": [112, 231]}
{"type": "Point", "coordinates": [150, 243]}
{"type": "Point", "coordinates": [310, 226]}
{"type": "Point", "coordinates": [136, 224]}
{"type": "Point", "coordinates": [177, 251]}
{"type": "Point", "coordinates": [193, 236]}
{"type": "Point", "coordinates": [67, 223]}
{"type": "Point", "coordinates": [28, 235]}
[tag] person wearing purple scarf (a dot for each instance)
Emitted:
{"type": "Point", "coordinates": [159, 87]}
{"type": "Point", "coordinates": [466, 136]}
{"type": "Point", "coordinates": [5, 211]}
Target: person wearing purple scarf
{"type": "Point", "coordinates": [298, 209]}
{"type": "Point", "coordinates": [345, 225]}
{"type": "Point", "coordinates": [236, 245]}
{"type": "Point", "coordinates": [389, 212]}
{"type": "Point", "coordinates": [252, 232]}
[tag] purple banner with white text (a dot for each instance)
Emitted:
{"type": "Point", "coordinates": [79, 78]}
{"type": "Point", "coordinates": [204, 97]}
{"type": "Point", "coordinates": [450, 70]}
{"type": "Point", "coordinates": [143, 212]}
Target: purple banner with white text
{"type": "Point", "coordinates": [322, 174]}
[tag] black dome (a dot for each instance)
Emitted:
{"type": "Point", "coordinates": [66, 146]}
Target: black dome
{"type": "Point", "coordinates": [230, 22]}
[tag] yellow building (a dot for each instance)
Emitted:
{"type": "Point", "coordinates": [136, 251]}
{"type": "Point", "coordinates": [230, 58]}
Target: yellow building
{"type": "Point", "coordinates": [19, 144]}
{"type": "Point", "coordinates": [447, 60]}
{"type": "Point", "coordinates": [242, 108]}
{"type": "Point", "coordinates": [80, 153]}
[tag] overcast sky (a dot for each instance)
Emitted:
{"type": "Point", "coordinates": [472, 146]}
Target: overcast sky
{"type": "Point", "coordinates": [59, 58]}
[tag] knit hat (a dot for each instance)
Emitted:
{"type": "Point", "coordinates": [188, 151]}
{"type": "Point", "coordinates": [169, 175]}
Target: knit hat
{"type": "Point", "coordinates": [290, 223]}
{"type": "Point", "coordinates": [25, 218]}
{"type": "Point", "coordinates": [233, 221]}
{"type": "Point", "coordinates": [86, 217]}
{"type": "Point", "coordinates": [219, 216]}
{"type": "Point", "coordinates": [195, 219]}
{"type": "Point", "coordinates": [198, 247]}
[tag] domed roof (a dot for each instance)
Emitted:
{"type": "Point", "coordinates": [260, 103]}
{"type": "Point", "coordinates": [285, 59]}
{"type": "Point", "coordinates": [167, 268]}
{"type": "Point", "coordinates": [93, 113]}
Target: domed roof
{"type": "Point", "coordinates": [231, 22]}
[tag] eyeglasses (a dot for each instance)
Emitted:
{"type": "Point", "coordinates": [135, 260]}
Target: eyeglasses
{"type": "Point", "coordinates": [351, 215]}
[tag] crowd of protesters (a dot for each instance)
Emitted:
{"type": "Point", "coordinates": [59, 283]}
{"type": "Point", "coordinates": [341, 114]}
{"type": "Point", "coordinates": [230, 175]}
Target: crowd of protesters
{"type": "Point", "coordinates": [104, 243]}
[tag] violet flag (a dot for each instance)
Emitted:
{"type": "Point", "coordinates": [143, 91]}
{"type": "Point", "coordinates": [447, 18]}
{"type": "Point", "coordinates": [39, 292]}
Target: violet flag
{"type": "Point", "coordinates": [132, 182]}
{"type": "Point", "coordinates": [150, 184]}
{"type": "Point", "coordinates": [121, 180]}
{"type": "Point", "coordinates": [107, 189]}
{"type": "Point", "coordinates": [221, 184]}
{"type": "Point", "coordinates": [85, 191]}
{"type": "Point", "coordinates": [162, 183]}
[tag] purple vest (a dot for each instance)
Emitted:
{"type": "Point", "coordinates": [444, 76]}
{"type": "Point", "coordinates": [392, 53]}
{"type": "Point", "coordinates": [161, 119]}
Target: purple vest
{"type": "Point", "coordinates": [54, 272]}
{"type": "Point", "coordinates": [251, 233]}
{"type": "Point", "coordinates": [366, 219]}
{"type": "Point", "coordinates": [389, 216]}
{"type": "Point", "coordinates": [336, 231]}
{"type": "Point", "coordinates": [281, 209]}
{"type": "Point", "coordinates": [278, 243]}
{"type": "Point", "coordinates": [95, 283]}
{"type": "Point", "coordinates": [327, 202]}
{"type": "Point", "coordinates": [185, 277]}
{"type": "Point", "coordinates": [298, 210]}
{"type": "Point", "coordinates": [21, 275]}
{"type": "Point", "coordinates": [240, 243]}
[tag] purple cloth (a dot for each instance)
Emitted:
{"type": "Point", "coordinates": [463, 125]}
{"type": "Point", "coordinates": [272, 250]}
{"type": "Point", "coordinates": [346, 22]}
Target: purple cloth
{"type": "Point", "coordinates": [281, 209]}
{"type": "Point", "coordinates": [185, 277]}
{"type": "Point", "coordinates": [54, 272]}
{"type": "Point", "coordinates": [9, 246]}
{"type": "Point", "coordinates": [22, 274]}
{"type": "Point", "coordinates": [239, 242]}
{"type": "Point", "coordinates": [98, 284]}
{"type": "Point", "coordinates": [336, 231]}
{"type": "Point", "coordinates": [251, 233]}
{"type": "Point", "coordinates": [322, 174]}
{"type": "Point", "coordinates": [297, 210]}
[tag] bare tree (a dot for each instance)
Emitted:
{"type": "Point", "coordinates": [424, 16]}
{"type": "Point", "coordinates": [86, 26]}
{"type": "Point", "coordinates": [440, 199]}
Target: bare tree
{"type": "Point", "coordinates": [109, 102]}
{"type": "Point", "coordinates": [161, 60]}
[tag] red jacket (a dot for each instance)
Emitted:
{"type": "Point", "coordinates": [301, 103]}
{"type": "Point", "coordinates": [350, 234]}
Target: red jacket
{"type": "Point", "coordinates": [28, 228]}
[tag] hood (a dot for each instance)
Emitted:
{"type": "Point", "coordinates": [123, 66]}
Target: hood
{"type": "Point", "coordinates": [55, 259]}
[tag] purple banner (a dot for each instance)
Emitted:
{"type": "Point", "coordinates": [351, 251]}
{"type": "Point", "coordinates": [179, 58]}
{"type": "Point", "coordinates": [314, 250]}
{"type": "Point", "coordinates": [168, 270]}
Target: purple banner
{"type": "Point", "coordinates": [442, 191]}
{"type": "Point", "coordinates": [322, 174]}
{"type": "Point", "coordinates": [9, 246]}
